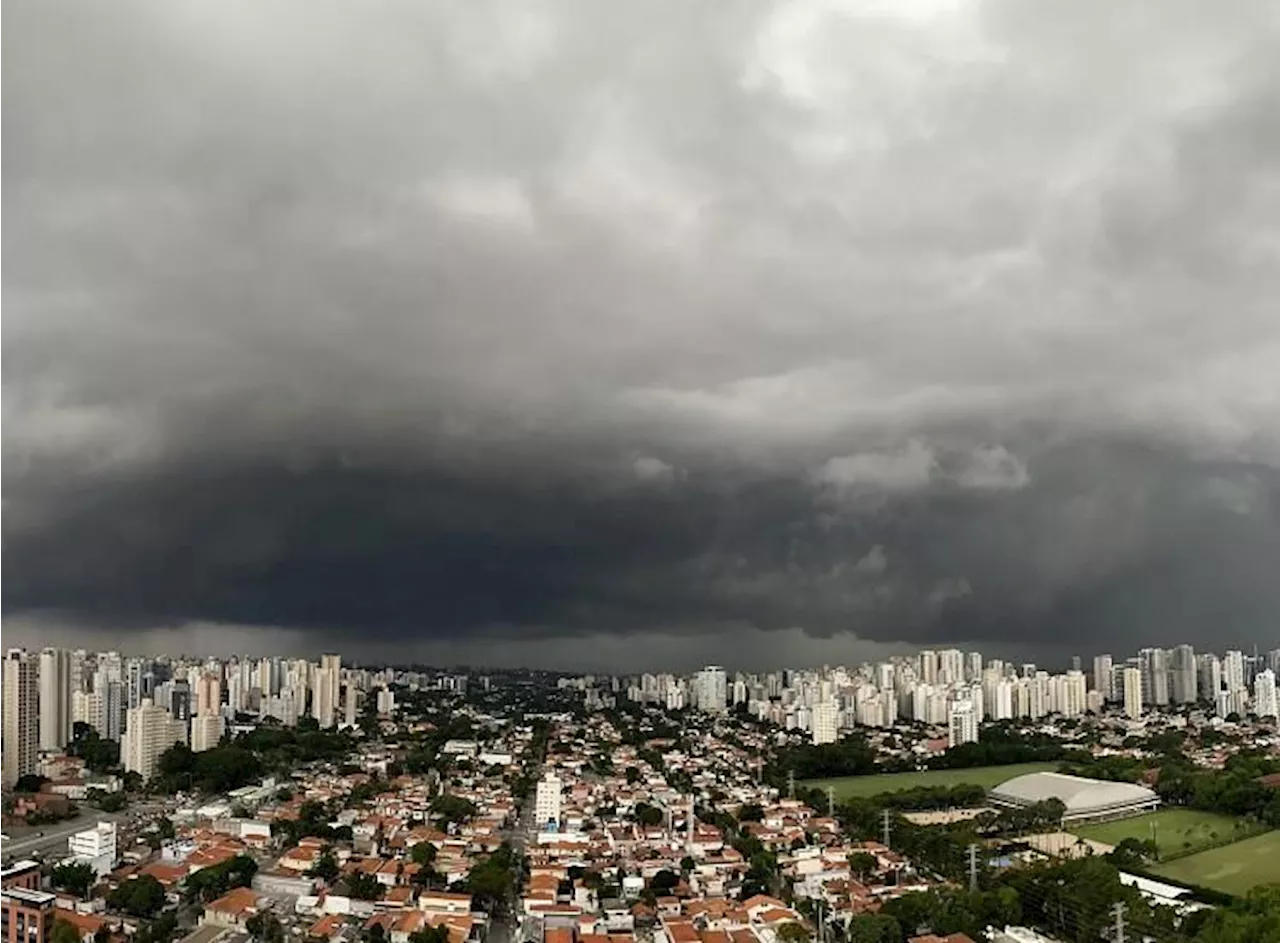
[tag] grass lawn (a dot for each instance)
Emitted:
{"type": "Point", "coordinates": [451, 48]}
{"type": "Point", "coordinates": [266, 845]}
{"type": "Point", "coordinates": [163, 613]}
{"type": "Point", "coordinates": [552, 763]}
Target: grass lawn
{"type": "Point", "coordinates": [1175, 829]}
{"type": "Point", "coordinates": [847, 787]}
{"type": "Point", "coordinates": [1233, 868]}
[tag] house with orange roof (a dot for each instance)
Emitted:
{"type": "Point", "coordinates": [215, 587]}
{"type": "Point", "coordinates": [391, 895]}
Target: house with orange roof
{"type": "Point", "coordinates": [232, 909]}
{"type": "Point", "coordinates": [327, 927]}
{"type": "Point", "coordinates": [169, 875]}
{"type": "Point", "coordinates": [86, 924]}
{"type": "Point", "coordinates": [444, 902]}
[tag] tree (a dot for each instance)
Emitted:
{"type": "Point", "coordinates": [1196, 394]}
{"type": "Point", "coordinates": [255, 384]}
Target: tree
{"type": "Point", "coordinates": [423, 853]}
{"type": "Point", "coordinates": [265, 927]}
{"type": "Point", "coordinates": [873, 928]}
{"type": "Point", "coordinates": [453, 809]}
{"type": "Point", "coordinates": [64, 932]}
{"type": "Point", "coordinates": [664, 881]}
{"type": "Point", "coordinates": [687, 864]}
{"type": "Point", "coordinates": [108, 801]}
{"type": "Point", "coordinates": [75, 877]}
{"type": "Point", "coordinates": [159, 930]}
{"type": "Point", "coordinates": [862, 864]}
{"type": "Point", "coordinates": [212, 882]}
{"type": "Point", "coordinates": [633, 775]}
{"type": "Point", "coordinates": [363, 886]}
{"type": "Point", "coordinates": [430, 935]}
{"type": "Point", "coordinates": [792, 932]}
{"type": "Point", "coordinates": [29, 782]}
{"type": "Point", "coordinates": [325, 866]}
{"type": "Point", "coordinates": [648, 815]}
{"type": "Point", "coordinates": [139, 897]}
{"type": "Point", "coordinates": [751, 812]}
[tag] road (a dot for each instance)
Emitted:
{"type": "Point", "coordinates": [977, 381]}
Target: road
{"type": "Point", "coordinates": [52, 838]}
{"type": "Point", "coordinates": [505, 925]}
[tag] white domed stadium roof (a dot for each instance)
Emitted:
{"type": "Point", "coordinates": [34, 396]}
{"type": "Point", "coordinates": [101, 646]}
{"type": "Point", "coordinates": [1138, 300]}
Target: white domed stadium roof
{"type": "Point", "coordinates": [1082, 797]}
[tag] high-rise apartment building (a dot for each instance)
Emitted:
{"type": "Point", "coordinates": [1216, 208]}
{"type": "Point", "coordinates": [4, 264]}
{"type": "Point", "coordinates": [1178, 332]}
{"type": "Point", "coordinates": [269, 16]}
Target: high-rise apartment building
{"type": "Point", "coordinates": [1182, 673]}
{"type": "Point", "coordinates": [711, 688]}
{"type": "Point", "coordinates": [21, 715]}
{"type": "Point", "coordinates": [208, 694]}
{"type": "Point", "coordinates": [826, 722]}
{"type": "Point", "coordinates": [1133, 693]}
{"type": "Point", "coordinates": [322, 702]}
{"type": "Point", "coordinates": [1233, 671]}
{"type": "Point", "coordinates": [546, 802]}
{"type": "Point", "coordinates": [962, 724]}
{"type": "Point", "coordinates": [149, 731]}
{"type": "Point", "coordinates": [1264, 694]}
{"type": "Point", "coordinates": [1102, 677]}
{"type": "Point", "coordinates": [1154, 664]}
{"type": "Point", "coordinates": [333, 665]}
{"type": "Point", "coordinates": [206, 732]}
{"type": "Point", "coordinates": [55, 698]}
{"type": "Point", "coordinates": [927, 662]}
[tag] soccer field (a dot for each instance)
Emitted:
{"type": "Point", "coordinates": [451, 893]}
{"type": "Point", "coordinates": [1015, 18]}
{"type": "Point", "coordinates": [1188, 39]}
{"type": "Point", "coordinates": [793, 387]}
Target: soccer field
{"type": "Point", "coordinates": [1175, 830]}
{"type": "Point", "coordinates": [848, 787]}
{"type": "Point", "coordinates": [1232, 869]}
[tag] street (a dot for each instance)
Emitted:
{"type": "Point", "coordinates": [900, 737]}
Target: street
{"type": "Point", "coordinates": [50, 838]}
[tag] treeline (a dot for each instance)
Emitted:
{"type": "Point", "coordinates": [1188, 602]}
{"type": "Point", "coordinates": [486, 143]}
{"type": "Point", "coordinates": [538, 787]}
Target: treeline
{"type": "Point", "coordinates": [1001, 745]}
{"type": "Point", "coordinates": [997, 745]}
{"type": "Point", "coordinates": [1233, 790]}
{"type": "Point", "coordinates": [848, 756]}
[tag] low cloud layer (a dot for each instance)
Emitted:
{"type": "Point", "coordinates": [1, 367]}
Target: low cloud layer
{"type": "Point", "coordinates": [415, 328]}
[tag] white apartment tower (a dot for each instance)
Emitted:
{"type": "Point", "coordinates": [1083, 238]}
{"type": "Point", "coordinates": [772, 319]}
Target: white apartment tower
{"type": "Point", "coordinates": [1103, 677]}
{"type": "Point", "coordinates": [546, 803]}
{"type": "Point", "coordinates": [322, 701]}
{"type": "Point", "coordinates": [1264, 694]}
{"type": "Point", "coordinates": [21, 721]}
{"type": "Point", "coordinates": [1133, 693]}
{"type": "Point", "coordinates": [333, 665]}
{"type": "Point", "coordinates": [149, 731]}
{"type": "Point", "coordinates": [712, 688]}
{"type": "Point", "coordinates": [55, 698]}
{"type": "Point", "coordinates": [826, 722]}
{"type": "Point", "coordinates": [962, 724]}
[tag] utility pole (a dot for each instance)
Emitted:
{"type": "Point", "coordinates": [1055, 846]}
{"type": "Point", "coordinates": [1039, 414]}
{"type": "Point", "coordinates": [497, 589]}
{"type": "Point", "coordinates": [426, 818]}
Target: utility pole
{"type": "Point", "coordinates": [885, 826]}
{"type": "Point", "coordinates": [1117, 911]}
{"type": "Point", "coordinates": [973, 867]}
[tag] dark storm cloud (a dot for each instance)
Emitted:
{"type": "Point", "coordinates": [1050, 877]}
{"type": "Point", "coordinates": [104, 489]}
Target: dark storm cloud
{"type": "Point", "coordinates": [926, 321]}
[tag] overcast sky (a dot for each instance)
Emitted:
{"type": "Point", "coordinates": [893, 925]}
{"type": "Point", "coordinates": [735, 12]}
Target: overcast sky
{"type": "Point", "coordinates": [636, 335]}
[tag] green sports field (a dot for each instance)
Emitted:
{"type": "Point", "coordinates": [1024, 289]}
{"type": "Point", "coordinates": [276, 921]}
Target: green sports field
{"type": "Point", "coordinates": [1232, 869]}
{"type": "Point", "coordinates": [848, 787]}
{"type": "Point", "coordinates": [1175, 830]}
